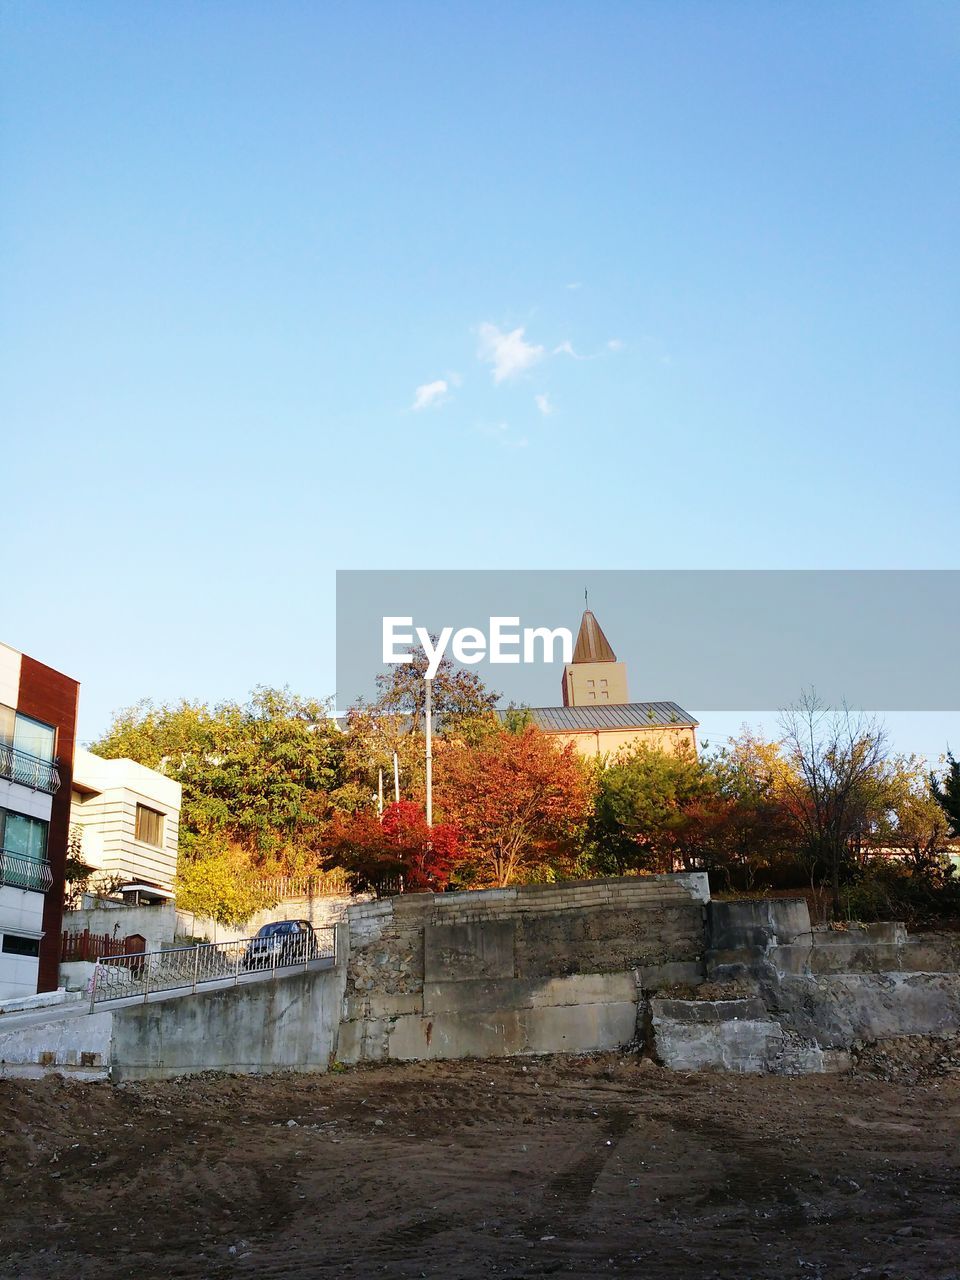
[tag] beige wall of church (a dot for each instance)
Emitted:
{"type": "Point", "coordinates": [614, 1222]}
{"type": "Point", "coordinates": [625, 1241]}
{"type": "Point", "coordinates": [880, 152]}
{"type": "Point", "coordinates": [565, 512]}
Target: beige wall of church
{"type": "Point", "coordinates": [602, 742]}
{"type": "Point", "coordinates": [589, 683]}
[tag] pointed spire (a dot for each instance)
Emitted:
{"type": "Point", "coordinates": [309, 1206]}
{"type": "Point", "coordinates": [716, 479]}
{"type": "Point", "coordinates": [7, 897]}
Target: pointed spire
{"type": "Point", "coordinates": [592, 645]}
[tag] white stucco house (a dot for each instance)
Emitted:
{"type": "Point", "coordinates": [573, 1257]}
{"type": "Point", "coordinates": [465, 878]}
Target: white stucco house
{"type": "Point", "coordinates": [128, 817]}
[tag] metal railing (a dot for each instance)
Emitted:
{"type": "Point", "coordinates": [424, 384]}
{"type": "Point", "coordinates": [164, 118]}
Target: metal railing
{"type": "Point", "coordinates": [29, 771]}
{"type": "Point", "coordinates": [312, 884]}
{"type": "Point", "coordinates": [141, 973]}
{"type": "Point", "coordinates": [19, 872]}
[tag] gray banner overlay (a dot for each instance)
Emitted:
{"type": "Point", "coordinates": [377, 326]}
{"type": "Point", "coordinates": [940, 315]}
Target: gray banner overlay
{"type": "Point", "coordinates": [714, 640]}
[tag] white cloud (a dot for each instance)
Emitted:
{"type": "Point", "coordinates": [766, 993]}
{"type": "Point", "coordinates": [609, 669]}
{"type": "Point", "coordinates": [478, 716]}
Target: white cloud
{"type": "Point", "coordinates": [575, 285]}
{"type": "Point", "coordinates": [454, 378]}
{"type": "Point", "coordinates": [509, 354]}
{"type": "Point", "coordinates": [431, 395]}
{"type": "Point", "coordinates": [544, 404]}
{"type": "Point", "coordinates": [566, 349]}
{"type": "Point", "coordinates": [616, 344]}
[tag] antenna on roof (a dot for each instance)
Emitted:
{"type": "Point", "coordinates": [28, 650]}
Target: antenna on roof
{"type": "Point", "coordinates": [586, 602]}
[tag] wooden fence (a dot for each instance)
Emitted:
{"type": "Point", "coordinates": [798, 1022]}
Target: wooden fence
{"type": "Point", "coordinates": [90, 946]}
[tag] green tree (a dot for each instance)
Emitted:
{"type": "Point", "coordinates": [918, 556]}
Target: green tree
{"type": "Point", "coordinates": [371, 740]}
{"type": "Point", "coordinates": [946, 792]}
{"type": "Point", "coordinates": [517, 719]}
{"type": "Point", "coordinates": [257, 776]}
{"type": "Point", "coordinates": [651, 808]}
{"type": "Point", "coordinates": [394, 727]}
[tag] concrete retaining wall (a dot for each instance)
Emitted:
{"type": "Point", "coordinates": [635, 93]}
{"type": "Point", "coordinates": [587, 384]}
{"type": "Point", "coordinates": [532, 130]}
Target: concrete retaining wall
{"type": "Point", "coordinates": [533, 969]}
{"type": "Point", "coordinates": [836, 1010]}
{"type": "Point", "coordinates": [287, 1024]}
{"type": "Point", "coordinates": [537, 969]}
{"type": "Point", "coordinates": [818, 990]}
{"type": "Point", "coordinates": [74, 1046]}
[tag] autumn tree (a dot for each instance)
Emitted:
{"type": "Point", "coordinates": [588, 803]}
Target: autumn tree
{"type": "Point", "coordinates": [516, 798]}
{"type": "Point", "coordinates": [760, 834]}
{"type": "Point", "coordinates": [222, 887]}
{"type": "Point", "coordinates": [458, 696]}
{"type": "Point", "coordinates": [371, 738]}
{"type": "Point", "coordinates": [912, 821]}
{"type": "Point", "coordinates": [398, 849]}
{"type": "Point", "coordinates": [837, 787]}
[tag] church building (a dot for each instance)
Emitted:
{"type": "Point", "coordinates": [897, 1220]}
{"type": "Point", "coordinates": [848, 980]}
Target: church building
{"type": "Point", "coordinates": [597, 715]}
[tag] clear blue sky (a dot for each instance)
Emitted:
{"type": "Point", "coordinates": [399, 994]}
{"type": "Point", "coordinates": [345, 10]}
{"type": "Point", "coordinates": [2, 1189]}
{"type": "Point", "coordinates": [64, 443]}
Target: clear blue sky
{"type": "Point", "coordinates": [238, 238]}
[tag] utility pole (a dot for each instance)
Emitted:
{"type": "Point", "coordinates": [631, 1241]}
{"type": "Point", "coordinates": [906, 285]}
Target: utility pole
{"type": "Point", "coordinates": [380, 794]}
{"type": "Point", "coordinates": [428, 715]}
{"type": "Point", "coordinates": [396, 778]}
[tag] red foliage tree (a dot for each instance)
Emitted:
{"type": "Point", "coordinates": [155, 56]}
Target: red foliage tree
{"type": "Point", "coordinates": [398, 849]}
{"type": "Point", "coordinates": [516, 799]}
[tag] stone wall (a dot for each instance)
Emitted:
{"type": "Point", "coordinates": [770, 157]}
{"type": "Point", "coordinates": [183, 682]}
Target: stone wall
{"type": "Point", "coordinates": [806, 994]}
{"type": "Point", "coordinates": [532, 969]}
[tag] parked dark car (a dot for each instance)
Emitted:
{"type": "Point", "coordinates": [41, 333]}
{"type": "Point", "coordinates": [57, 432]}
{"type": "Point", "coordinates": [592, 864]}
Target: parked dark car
{"type": "Point", "coordinates": [282, 942]}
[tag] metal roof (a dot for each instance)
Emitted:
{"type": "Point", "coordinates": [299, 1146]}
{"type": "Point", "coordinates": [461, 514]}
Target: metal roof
{"type": "Point", "coordinates": [612, 715]}
{"type": "Point", "coordinates": [592, 645]}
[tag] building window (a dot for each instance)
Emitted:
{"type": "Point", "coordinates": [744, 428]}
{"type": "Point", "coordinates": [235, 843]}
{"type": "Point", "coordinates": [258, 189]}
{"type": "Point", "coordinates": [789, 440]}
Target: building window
{"type": "Point", "coordinates": [16, 945]}
{"type": "Point", "coordinates": [34, 738]}
{"type": "Point", "coordinates": [149, 826]}
{"type": "Point", "coordinates": [22, 836]}
{"type": "Point", "coordinates": [23, 852]}
{"type": "Point", "coordinates": [26, 751]}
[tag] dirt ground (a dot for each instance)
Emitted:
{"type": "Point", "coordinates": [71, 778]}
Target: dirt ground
{"type": "Point", "coordinates": [604, 1166]}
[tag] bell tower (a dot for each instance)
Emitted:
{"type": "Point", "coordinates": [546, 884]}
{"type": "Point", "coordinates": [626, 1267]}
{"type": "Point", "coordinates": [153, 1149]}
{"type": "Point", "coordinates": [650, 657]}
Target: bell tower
{"type": "Point", "coordinates": [594, 676]}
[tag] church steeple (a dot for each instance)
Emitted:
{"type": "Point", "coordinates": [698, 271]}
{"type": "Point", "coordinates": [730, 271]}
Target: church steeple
{"type": "Point", "coordinates": [594, 675]}
{"type": "Point", "coordinates": [592, 645]}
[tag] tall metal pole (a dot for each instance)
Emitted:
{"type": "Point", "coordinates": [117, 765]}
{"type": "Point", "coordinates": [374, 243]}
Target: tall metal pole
{"type": "Point", "coordinates": [380, 794]}
{"type": "Point", "coordinates": [428, 714]}
{"type": "Point", "coordinates": [396, 778]}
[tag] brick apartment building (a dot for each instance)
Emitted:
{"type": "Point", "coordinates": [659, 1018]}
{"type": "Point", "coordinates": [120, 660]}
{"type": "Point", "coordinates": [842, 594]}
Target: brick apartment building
{"type": "Point", "coordinates": [38, 715]}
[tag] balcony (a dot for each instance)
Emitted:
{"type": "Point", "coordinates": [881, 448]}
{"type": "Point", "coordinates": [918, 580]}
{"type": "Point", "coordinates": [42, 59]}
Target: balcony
{"type": "Point", "coordinates": [19, 872]}
{"type": "Point", "coordinates": [29, 771]}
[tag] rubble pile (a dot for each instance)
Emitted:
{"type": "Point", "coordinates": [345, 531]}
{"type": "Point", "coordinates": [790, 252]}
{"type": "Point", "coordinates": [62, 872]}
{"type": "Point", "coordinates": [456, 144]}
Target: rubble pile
{"type": "Point", "coordinates": [908, 1059]}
